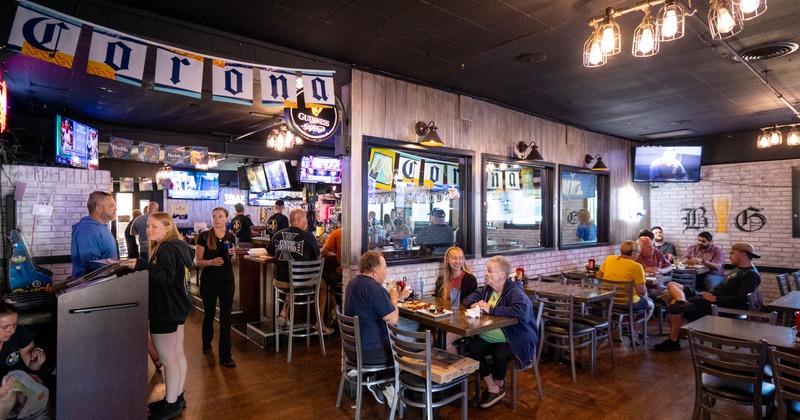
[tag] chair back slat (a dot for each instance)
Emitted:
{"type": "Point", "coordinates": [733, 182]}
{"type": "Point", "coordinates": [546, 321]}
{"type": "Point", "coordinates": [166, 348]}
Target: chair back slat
{"type": "Point", "coordinates": [554, 307]}
{"type": "Point", "coordinates": [736, 360]}
{"type": "Point", "coordinates": [305, 271]}
{"type": "Point", "coordinates": [786, 376]}
{"type": "Point", "coordinates": [765, 317]}
{"type": "Point", "coordinates": [796, 278]}
{"type": "Point", "coordinates": [348, 331]}
{"type": "Point", "coordinates": [684, 277]}
{"type": "Point", "coordinates": [783, 284]}
{"type": "Point", "coordinates": [624, 290]}
{"type": "Point", "coordinates": [411, 349]}
{"type": "Point", "coordinates": [551, 279]}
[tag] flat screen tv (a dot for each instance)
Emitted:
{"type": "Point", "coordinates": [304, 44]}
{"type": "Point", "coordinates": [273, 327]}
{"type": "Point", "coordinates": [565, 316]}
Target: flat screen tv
{"type": "Point", "coordinates": [320, 169]}
{"type": "Point", "coordinates": [667, 163]}
{"type": "Point", "coordinates": [76, 143]}
{"type": "Point", "coordinates": [256, 179]}
{"type": "Point", "coordinates": [277, 177]}
{"type": "Point", "coordinates": [193, 185]}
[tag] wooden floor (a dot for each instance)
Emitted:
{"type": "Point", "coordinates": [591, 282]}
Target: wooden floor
{"type": "Point", "coordinates": [642, 385]}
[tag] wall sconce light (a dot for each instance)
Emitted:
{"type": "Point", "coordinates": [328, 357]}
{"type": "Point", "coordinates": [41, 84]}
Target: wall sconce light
{"type": "Point", "coordinates": [598, 166]}
{"type": "Point", "coordinates": [534, 154]}
{"type": "Point", "coordinates": [428, 133]}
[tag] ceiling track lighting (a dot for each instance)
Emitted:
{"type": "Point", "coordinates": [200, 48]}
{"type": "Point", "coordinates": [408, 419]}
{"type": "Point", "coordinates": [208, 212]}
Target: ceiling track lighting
{"type": "Point", "coordinates": [725, 19]}
{"type": "Point", "coordinates": [772, 136]}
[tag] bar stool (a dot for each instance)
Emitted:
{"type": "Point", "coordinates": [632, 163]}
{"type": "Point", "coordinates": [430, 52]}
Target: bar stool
{"type": "Point", "coordinates": [302, 289]}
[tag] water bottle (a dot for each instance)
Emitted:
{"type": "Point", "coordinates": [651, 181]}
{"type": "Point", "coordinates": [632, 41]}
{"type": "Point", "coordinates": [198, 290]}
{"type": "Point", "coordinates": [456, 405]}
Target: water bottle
{"type": "Point", "coordinates": [227, 245]}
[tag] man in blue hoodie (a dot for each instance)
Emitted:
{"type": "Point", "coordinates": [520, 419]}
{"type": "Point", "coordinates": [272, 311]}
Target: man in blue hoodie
{"type": "Point", "coordinates": [91, 239]}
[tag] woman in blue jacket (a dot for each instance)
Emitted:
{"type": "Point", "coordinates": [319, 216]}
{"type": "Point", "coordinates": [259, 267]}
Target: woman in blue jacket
{"type": "Point", "coordinates": [501, 296]}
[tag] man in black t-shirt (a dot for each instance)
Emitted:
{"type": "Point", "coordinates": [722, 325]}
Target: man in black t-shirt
{"type": "Point", "coordinates": [277, 221]}
{"type": "Point", "coordinates": [240, 226]}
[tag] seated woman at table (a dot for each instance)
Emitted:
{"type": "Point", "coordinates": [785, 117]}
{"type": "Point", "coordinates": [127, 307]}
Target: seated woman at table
{"type": "Point", "coordinates": [455, 275]}
{"type": "Point", "coordinates": [401, 230]}
{"type": "Point", "coordinates": [501, 296]}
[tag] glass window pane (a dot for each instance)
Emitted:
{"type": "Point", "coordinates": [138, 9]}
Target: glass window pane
{"type": "Point", "coordinates": [584, 207]}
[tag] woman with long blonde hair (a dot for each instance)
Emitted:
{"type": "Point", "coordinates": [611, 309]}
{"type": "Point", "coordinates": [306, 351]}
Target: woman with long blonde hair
{"type": "Point", "coordinates": [167, 263]}
{"type": "Point", "coordinates": [455, 275]}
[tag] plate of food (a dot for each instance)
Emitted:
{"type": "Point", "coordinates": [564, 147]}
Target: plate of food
{"type": "Point", "coordinates": [415, 305]}
{"type": "Point", "coordinates": [435, 311]}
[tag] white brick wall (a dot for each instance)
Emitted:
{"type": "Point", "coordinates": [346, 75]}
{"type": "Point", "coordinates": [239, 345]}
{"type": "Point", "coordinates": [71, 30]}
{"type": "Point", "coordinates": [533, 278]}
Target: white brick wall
{"type": "Point", "coordinates": [762, 185]}
{"type": "Point", "coordinates": [69, 189]}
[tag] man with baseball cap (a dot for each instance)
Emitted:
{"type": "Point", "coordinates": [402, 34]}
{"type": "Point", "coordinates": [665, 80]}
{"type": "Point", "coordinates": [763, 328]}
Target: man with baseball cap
{"type": "Point", "coordinates": [438, 235]}
{"type": "Point", "coordinates": [685, 302]}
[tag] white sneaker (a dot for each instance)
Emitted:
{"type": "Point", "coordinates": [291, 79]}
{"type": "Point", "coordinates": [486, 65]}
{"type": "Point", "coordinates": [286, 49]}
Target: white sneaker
{"type": "Point", "coordinates": [352, 373]}
{"type": "Point", "coordinates": [388, 392]}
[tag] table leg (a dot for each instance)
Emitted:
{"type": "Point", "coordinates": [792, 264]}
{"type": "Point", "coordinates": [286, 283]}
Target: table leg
{"type": "Point", "coordinates": [442, 339]}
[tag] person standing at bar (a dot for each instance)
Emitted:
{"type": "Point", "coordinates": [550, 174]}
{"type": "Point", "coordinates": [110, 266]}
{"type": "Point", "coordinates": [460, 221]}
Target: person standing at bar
{"type": "Point", "coordinates": [91, 239]}
{"type": "Point", "coordinates": [140, 227]}
{"type": "Point", "coordinates": [168, 266]}
{"type": "Point", "coordinates": [277, 221]}
{"type": "Point", "coordinates": [216, 282]}
{"type": "Point", "coordinates": [240, 225]}
{"type": "Point", "coordinates": [130, 238]}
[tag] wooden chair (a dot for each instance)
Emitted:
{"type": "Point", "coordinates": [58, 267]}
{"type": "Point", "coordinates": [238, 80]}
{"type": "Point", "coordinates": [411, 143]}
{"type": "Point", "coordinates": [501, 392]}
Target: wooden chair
{"type": "Point", "coordinates": [729, 370]}
{"type": "Point", "coordinates": [796, 278]}
{"type": "Point", "coordinates": [685, 277]}
{"type": "Point", "coordinates": [350, 332]}
{"type": "Point", "coordinates": [302, 289]}
{"type": "Point", "coordinates": [767, 317]}
{"type": "Point", "coordinates": [783, 284]}
{"type": "Point", "coordinates": [755, 302]}
{"type": "Point", "coordinates": [574, 278]}
{"type": "Point", "coordinates": [623, 309]}
{"type": "Point", "coordinates": [559, 330]}
{"type": "Point", "coordinates": [786, 377]}
{"type": "Point", "coordinates": [412, 351]}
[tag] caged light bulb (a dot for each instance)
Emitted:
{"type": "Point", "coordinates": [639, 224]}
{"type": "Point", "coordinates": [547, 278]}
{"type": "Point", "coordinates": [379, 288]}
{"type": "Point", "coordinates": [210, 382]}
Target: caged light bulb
{"type": "Point", "coordinates": [670, 25]}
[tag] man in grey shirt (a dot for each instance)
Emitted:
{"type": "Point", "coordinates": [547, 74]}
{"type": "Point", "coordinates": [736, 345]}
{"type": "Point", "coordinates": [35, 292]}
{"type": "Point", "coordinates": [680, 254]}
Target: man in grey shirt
{"type": "Point", "coordinates": [140, 228]}
{"type": "Point", "coordinates": [438, 235]}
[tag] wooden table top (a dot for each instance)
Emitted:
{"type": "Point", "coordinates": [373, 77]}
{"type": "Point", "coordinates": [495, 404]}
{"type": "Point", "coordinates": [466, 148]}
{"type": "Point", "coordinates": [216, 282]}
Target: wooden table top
{"type": "Point", "coordinates": [457, 322]}
{"type": "Point", "coordinates": [263, 260]}
{"type": "Point", "coordinates": [743, 329]}
{"type": "Point", "coordinates": [582, 294]}
{"type": "Point", "coordinates": [788, 303]}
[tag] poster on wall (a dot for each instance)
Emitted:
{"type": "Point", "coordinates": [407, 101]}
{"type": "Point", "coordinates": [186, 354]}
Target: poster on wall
{"type": "Point", "coordinates": [146, 183]}
{"type": "Point", "coordinates": [126, 184]}
{"type": "Point", "coordinates": [381, 167]}
{"type": "Point", "coordinates": [180, 211]}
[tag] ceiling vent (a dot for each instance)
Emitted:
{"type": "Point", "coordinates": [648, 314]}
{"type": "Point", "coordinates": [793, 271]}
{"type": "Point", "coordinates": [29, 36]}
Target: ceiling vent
{"type": "Point", "coordinates": [768, 51]}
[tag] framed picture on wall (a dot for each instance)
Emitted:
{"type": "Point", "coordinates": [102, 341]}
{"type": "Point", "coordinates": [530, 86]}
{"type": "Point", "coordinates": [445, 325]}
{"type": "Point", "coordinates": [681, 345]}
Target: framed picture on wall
{"type": "Point", "coordinates": [126, 184]}
{"type": "Point", "coordinates": [146, 183]}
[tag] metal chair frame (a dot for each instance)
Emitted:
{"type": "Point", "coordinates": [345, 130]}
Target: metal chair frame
{"type": "Point", "coordinates": [302, 289]}
{"type": "Point", "coordinates": [766, 317]}
{"type": "Point", "coordinates": [786, 377]}
{"type": "Point", "coordinates": [784, 286]}
{"type": "Point", "coordinates": [623, 307]}
{"type": "Point", "coordinates": [557, 314]}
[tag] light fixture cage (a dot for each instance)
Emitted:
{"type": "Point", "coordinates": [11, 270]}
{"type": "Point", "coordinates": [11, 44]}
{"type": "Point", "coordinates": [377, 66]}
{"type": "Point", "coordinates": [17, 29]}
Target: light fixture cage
{"type": "Point", "coordinates": [752, 8]}
{"type": "Point", "coordinates": [609, 35]}
{"type": "Point", "coordinates": [762, 142]}
{"type": "Point", "coordinates": [793, 139]}
{"type": "Point", "coordinates": [281, 138]}
{"type": "Point", "coordinates": [724, 19]}
{"type": "Point", "coordinates": [775, 137]}
{"type": "Point", "coordinates": [646, 39]}
{"type": "Point", "coordinates": [592, 53]}
{"type": "Point", "coordinates": [671, 21]}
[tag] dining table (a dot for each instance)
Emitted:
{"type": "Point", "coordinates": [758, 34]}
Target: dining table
{"type": "Point", "coordinates": [786, 305]}
{"type": "Point", "coordinates": [746, 330]}
{"type": "Point", "coordinates": [581, 294]}
{"type": "Point", "coordinates": [457, 322]}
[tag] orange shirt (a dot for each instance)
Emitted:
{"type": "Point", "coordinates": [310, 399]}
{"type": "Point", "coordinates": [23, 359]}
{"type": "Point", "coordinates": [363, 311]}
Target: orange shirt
{"type": "Point", "coordinates": [334, 243]}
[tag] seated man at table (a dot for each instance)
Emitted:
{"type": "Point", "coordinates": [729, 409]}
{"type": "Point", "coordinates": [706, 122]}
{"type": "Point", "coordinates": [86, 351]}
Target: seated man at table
{"type": "Point", "coordinates": [731, 293]}
{"type": "Point", "coordinates": [705, 253]}
{"type": "Point", "coordinates": [366, 298]}
{"type": "Point", "coordinates": [438, 235]}
{"type": "Point", "coordinates": [665, 247]}
{"type": "Point", "coordinates": [625, 268]}
{"type": "Point", "coordinates": [653, 262]}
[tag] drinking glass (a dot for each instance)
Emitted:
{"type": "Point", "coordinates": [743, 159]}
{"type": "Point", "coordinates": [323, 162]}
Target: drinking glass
{"type": "Point", "coordinates": [455, 297]}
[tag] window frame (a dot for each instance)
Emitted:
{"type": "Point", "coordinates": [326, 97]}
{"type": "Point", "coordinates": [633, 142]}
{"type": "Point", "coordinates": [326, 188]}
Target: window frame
{"type": "Point", "coordinates": [603, 185]}
{"type": "Point", "coordinates": [546, 228]}
{"type": "Point", "coordinates": [466, 217]}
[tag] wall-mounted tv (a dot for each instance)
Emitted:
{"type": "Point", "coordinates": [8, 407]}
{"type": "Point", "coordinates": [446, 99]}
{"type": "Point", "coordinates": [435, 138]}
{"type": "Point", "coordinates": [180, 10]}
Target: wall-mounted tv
{"type": "Point", "coordinates": [193, 185]}
{"type": "Point", "coordinates": [320, 169]}
{"type": "Point", "coordinates": [256, 179]}
{"type": "Point", "coordinates": [76, 143]}
{"type": "Point", "coordinates": [667, 163]}
{"type": "Point", "coordinates": [277, 177]}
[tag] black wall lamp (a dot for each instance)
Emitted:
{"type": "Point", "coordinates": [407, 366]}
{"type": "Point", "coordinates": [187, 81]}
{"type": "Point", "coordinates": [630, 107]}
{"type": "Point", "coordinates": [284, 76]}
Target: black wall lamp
{"type": "Point", "coordinates": [534, 154]}
{"type": "Point", "coordinates": [428, 133]}
{"type": "Point", "coordinates": [598, 166]}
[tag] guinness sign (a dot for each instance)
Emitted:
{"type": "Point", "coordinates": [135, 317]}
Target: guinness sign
{"type": "Point", "coordinates": [313, 123]}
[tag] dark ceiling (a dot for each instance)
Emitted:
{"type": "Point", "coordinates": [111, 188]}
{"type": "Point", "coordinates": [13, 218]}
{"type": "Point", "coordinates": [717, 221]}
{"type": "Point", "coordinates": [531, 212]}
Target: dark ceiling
{"type": "Point", "coordinates": [476, 47]}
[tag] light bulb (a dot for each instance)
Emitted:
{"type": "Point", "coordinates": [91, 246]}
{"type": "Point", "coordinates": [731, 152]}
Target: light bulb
{"type": "Point", "coordinates": [608, 39]}
{"type": "Point", "coordinates": [646, 42]}
{"type": "Point", "coordinates": [775, 137]}
{"type": "Point", "coordinates": [725, 22]}
{"type": "Point", "coordinates": [749, 6]}
{"type": "Point", "coordinates": [794, 138]}
{"type": "Point", "coordinates": [595, 55]}
{"type": "Point", "coordinates": [763, 141]}
{"type": "Point", "coordinates": [670, 25]}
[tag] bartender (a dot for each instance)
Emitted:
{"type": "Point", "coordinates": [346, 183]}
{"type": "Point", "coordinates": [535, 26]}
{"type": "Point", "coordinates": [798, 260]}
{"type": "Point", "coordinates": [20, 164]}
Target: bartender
{"type": "Point", "coordinates": [277, 221]}
{"type": "Point", "coordinates": [241, 226]}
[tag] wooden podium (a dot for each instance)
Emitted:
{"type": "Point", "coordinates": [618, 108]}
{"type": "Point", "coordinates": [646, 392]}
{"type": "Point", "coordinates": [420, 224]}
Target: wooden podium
{"type": "Point", "coordinates": [101, 347]}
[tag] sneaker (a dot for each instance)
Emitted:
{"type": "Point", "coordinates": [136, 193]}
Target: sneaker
{"type": "Point", "coordinates": [282, 321]}
{"type": "Point", "coordinates": [388, 392]}
{"type": "Point", "coordinates": [680, 307]}
{"type": "Point", "coordinates": [668, 345]}
{"type": "Point", "coordinates": [377, 393]}
{"type": "Point", "coordinates": [491, 398]}
{"type": "Point", "coordinates": [326, 330]}
{"type": "Point", "coordinates": [166, 411]}
{"type": "Point", "coordinates": [352, 373]}
{"type": "Point", "coordinates": [155, 404]}
{"type": "Point", "coordinates": [227, 363]}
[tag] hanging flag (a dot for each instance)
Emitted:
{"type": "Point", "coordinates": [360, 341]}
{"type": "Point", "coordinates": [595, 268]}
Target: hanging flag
{"type": "Point", "coordinates": [408, 168]}
{"type": "Point", "coordinates": [232, 82]}
{"type": "Point", "coordinates": [433, 175]}
{"type": "Point", "coordinates": [278, 87]}
{"type": "Point", "coordinates": [149, 152]}
{"type": "Point", "coordinates": [512, 179]}
{"type": "Point", "coordinates": [176, 155]}
{"type": "Point", "coordinates": [117, 57]}
{"type": "Point", "coordinates": [318, 88]}
{"type": "Point", "coordinates": [120, 148]}
{"type": "Point", "coordinates": [453, 175]}
{"type": "Point", "coordinates": [179, 72]}
{"type": "Point", "coordinates": [44, 34]}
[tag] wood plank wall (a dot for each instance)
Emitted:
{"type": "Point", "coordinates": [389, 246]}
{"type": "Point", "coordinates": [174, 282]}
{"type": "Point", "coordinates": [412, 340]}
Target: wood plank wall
{"type": "Point", "coordinates": [389, 108]}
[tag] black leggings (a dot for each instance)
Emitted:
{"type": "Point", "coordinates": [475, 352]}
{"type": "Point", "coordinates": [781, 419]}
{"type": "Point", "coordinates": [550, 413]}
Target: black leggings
{"type": "Point", "coordinates": [210, 290]}
{"type": "Point", "coordinates": [478, 349]}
